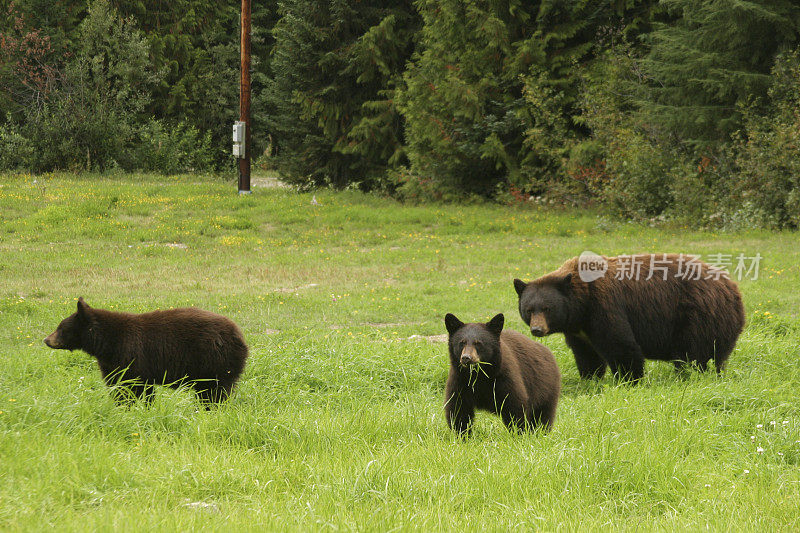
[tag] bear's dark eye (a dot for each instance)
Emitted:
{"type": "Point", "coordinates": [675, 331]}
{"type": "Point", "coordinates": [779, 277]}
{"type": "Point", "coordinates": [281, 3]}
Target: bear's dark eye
{"type": "Point", "coordinates": [477, 343]}
{"type": "Point", "coordinates": [545, 309]}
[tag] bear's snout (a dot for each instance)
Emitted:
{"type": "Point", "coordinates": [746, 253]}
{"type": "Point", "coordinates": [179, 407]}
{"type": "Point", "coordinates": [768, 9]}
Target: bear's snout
{"type": "Point", "coordinates": [469, 356]}
{"type": "Point", "coordinates": [539, 326]}
{"type": "Point", "coordinates": [50, 341]}
{"type": "Point", "coordinates": [537, 331]}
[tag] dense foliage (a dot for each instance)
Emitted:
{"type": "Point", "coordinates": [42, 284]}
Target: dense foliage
{"type": "Point", "coordinates": [113, 84]}
{"type": "Point", "coordinates": [715, 55]}
{"type": "Point", "coordinates": [679, 109]}
{"type": "Point", "coordinates": [336, 66]}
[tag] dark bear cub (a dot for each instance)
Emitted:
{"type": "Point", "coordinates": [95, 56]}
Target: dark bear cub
{"type": "Point", "coordinates": [135, 352]}
{"type": "Point", "coordinates": [502, 372]}
{"type": "Point", "coordinates": [669, 307]}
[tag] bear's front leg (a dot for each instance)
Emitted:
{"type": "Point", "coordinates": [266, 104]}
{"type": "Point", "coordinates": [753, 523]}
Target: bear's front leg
{"type": "Point", "coordinates": [544, 418]}
{"type": "Point", "coordinates": [631, 370]}
{"type": "Point", "coordinates": [125, 390]}
{"type": "Point", "coordinates": [512, 407]}
{"type": "Point", "coordinates": [212, 393]}
{"type": "Point", "coordinates": [144, 391]}
{"type": "Point", "coordinates": [616, 344]}
{"type": "Point", "coordinates": [514, 415]}
{"type": "Point", "coordinates": [459, 406]}
{"type": "Point", "coordinates": [590, 364]}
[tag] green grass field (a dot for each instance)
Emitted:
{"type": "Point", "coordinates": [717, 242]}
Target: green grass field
{"type": "Point", "coordinates": [337, 423]}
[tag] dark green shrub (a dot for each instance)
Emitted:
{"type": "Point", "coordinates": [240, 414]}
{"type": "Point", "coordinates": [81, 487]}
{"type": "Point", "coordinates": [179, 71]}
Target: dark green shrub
{"type": "Point", "coordinates": [636, 181]}
{"type": "Point", "coordinates": [768, 151]}
{"type": "Point", "coordinates": [88, 120]}
{"type": "Point", "coordinates": [712, 57]}
{"type": "Point", "coordinates": [172, 149]}
{"type": "Point", "coordinates": [16, 151]}
{"type": "Point", "coordinates": [334, 67]}
{"type": "Point", "coordinates": [462, 99]}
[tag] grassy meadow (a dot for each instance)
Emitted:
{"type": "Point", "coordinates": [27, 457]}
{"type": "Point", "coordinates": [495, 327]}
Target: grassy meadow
{"type": "Point", "coordinates": [337, 423]}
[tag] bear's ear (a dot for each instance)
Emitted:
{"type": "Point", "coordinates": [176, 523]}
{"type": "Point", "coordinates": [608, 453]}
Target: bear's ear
{"type": "Point", "coordinates": [83, 307]}
{"type": "Point", "coordinates": [520, 285]}
{"type": "Point", "coordinates": [452, 323]}
{"type": "Point", "coordinates": [563, 283]}
{"type": "Point", "coordinates": [495, 325]}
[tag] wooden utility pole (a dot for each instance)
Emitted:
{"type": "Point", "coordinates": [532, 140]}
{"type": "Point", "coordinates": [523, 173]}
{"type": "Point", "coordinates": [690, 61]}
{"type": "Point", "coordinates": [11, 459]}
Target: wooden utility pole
{"type": "Point", "coordinates": [244, 100]}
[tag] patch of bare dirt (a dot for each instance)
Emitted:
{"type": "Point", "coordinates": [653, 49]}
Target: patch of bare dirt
{"type": "Point", "coordinates": [268, 183]}
{"type": "Point", "coordinates": [295, 289]}
{"type": "Point", "coordinates": [429, 338]}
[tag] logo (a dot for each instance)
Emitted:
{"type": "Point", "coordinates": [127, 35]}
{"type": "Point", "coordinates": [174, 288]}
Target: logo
{"type": "Point", "coordinates": [591, 266]}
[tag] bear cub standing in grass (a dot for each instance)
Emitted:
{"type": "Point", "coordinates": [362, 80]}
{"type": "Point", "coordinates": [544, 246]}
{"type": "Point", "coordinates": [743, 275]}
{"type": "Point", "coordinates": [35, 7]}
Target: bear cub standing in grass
{"type": "Point", "coordinates": [202, 349]}
{"type": "Point", "coordinates": [502, 372]}
{"type": "Point", "coordinates": [655, 306]}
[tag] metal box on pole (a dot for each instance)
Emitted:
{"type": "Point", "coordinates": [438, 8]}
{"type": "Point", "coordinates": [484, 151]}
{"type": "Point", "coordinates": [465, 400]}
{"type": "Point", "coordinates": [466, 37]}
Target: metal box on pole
{"type": "Point", "coordinates": [239, 137]}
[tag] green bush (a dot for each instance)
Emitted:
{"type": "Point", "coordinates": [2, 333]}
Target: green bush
{"type": "Point", "coordinates": [16, 151]}
{"type": "Point", "coordinates": [712, 56]}
{"type": "Point", "coordinates": [636, 181]}
{"type": "Point", "coordinates": [640, 186]}
{"type": "Point", "coordinates": [490, 90]}
{"type": "Point", "coordinates": [411, 187]}
{"type": "Point", "coordinates": [331, 94]}
{"type": "Point", "coordinates": [88, 120]}
{"type": "Point", "coordinates": [548, 138]}
{"type": "Point", "coordinates": [171, 150]}
{"type": "Point", "coordinates": [74, 133]}
{"type": "Point", "coordinates": [768, 151]}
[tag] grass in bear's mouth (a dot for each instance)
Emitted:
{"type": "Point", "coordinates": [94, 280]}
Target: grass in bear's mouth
{"type": "Point", "coordinates": [343, 428]}
{"type": "Point", "coordinates": [476, 370]}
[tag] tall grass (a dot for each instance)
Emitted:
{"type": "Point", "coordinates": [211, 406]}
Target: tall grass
{"type": "Point", "coordinates": [337, 422]}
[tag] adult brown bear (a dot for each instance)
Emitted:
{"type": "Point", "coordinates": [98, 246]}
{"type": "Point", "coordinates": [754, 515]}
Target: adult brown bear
{"type": "Point", "coordinates": [203, 350]}
{"type": "Point", "coordinates": [649, 306]}
{"type": "Point", "coordinates": [502, 372]}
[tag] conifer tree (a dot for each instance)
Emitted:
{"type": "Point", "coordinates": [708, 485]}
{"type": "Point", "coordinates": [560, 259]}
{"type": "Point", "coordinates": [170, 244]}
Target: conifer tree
{"type": "Point", "coordinates": [474, 101]}
{"type": "Point", "coordinates": [334, 66]}
{"type": "Point", "coordinates": [195, 44]}
{"type": "Point", "coordinates": [716, 55]}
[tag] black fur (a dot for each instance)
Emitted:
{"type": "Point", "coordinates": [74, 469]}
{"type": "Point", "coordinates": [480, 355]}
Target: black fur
{"type": "Point", "coordinates": [189, 346]}
{"type": "Point", "coordinates": [502, 372]}
{"type": "Point", "coordinates": [618, 322]}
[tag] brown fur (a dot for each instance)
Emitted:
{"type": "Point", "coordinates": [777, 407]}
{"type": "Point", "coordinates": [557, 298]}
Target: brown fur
{"type": "Point", "coordinates": [621, 322]}
{"type": "Point", "coordinates": [502, 372]}
{"type": "Point", "coordinates": [137, 351]}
